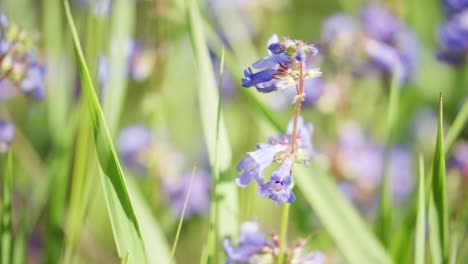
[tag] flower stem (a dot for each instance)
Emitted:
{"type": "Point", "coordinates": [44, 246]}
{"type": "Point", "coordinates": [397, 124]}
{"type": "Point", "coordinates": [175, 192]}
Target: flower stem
{"type": "Point", "coordinates": [285, 215]}
{"type": "Point", "coordinates": [283, 233]}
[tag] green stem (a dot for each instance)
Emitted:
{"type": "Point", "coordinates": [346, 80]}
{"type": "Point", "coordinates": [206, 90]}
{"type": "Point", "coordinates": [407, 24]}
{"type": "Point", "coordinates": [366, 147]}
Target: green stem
{"type": "Point", "coordinates": [285, 215]}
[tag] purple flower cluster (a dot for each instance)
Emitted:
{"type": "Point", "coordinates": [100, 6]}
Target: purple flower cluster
{"type": "Point", "coordinates": [378, 40]}
{"type": "Point", "coordinates": [360, 162]}
{"type": "Point", "coordinates": [453, 34]}
{"type": "Point", "coordinates": [254, 247]}
{"type": "Point", "coordinates": [279, 149]}
{"type": "Point", "coordinates": [19, 64]}
{"type": "Point", "coordinates": [283, 66]}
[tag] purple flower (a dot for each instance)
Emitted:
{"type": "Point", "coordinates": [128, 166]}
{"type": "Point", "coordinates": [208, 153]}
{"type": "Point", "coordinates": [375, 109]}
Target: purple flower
{"type": "Point", "coordinates": [199, 200]}
{"type": "Point", "coordinates": [278, 188]}
{"type": "Point", "coordinates": [279, 148]}
{"type": "Point", "coordinates": [453, 39]}
{"type": "Point", "coordinates": [251, 243]}
{"type": "Point", "coordinates": [141, 62]}
{"type": "Point", "coordinates": [7, 132]}
{"type": "Point", "coordinates": [454, 6]}
{"type": "Point", "coordinates": [279, 70]}
{"type": "Point", "coordinates": [252, 166]}
{"type": "Point", "coordinates": [379, 23]}
{"type": "Point", "coordinates": [460, 158]}
{"type": "Point", "coordinates": [133, 143]}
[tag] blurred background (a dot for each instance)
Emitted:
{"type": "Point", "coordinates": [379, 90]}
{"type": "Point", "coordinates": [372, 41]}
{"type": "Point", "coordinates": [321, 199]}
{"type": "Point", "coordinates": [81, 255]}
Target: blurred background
{"type": "Point", "coordinates": [140, 54]}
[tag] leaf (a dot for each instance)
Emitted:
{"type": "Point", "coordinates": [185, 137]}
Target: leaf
{"type": "Point", "coordinates": [124, 223]}
{"type": "Point", "coordinates": [341, 220]}
{"type": "Point", "coordinates": [419, 238]}
{"type": "Point", "coordinates": [439, 189]}
{"type": "Point", "coordinates": [216, 137]}
{"type": "Point", "coordinates": [6, 237]}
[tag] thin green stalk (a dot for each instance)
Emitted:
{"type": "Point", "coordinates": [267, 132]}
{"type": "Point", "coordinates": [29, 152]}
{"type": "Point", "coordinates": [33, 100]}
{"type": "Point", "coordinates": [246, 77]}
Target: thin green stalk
{"type": "Point", "coordinates": [181, 219]}
{"type": "Point", "coordinates": [419, 239]}
{"type": "Point", "coordinates": [384, 221]}
{"type": "Point", "coordinates": [283, 233]}
{"type": "Point", "coordinates": [213, 234]}
{"type": "Point", "coordinates": [6, 246]}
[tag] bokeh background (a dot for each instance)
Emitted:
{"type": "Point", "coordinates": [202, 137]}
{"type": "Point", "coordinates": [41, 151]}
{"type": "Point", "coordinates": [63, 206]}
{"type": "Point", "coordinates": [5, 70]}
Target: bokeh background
{"type": "Point", "coordinates": [148, 79]}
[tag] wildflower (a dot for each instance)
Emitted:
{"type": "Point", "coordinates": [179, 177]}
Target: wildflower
{"type": "Point", "coordinates": [283, 67]}
{"type": "Point", "coordinates": [141, 61]}
{"type": "Point", "coordinates": [278, 148]}
{"type": "Point", "coordinates": [453, 41]}
{"type": "Point", "coordinates": [460, 158]}
{"type": "Point", "coordinates": [378, 40]}
{"type": "Point", "coordinates": [251, 243]}
{"type": "Point", "coordinates": [255, 247]}
{"type": "Point", "coordinates": [19, 64]}
{"type": "Point", "coordinates": [255, 162]}
{"type": "Point", "coordinates": [133, 143]}
{"type": "Point", "coordinates": [198, 203]}
{"type": "Point", "coordinates": [278, 188]}
{"type": "Point", "coordinates": [7, 132]}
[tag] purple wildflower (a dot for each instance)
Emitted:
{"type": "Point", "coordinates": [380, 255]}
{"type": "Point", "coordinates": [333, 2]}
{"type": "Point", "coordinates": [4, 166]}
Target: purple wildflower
{"type": "Point", "coordinates": [199, 200]}
{"type": "Point", "coordinates": [19, 64]}
{"type": "Point", "coordinates": [453, 39]}
{"type": "Point", "coordinates": [251, 243]}
{"type": "Point", "coordinates": [278, 188]}
{"type": "Point", "coordinates": [255, 162]}
{"type": "Point", "coordinates": [278, 148]}
{"type": "Point", "coordinates": [460, 158]}
{"type": "Point", "coordinates": [280, 69]}
{"type": "Point", "coordinates": [7, 132]}
{"type": "Point", "coordinates": [133, 143]}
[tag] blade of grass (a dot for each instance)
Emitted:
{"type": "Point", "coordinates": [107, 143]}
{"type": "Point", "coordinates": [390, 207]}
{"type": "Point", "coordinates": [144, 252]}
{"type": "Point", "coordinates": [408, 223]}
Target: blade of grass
{"type": "Point", "coordinates": [351, 236]}
{"type": "Point", "coordinates": [438, 187]}
{"type": "Point", "coordinates": [124, 223]}
{"type": "Point", "coordinates": [181, 219]}
{"type": "Point", "coordinates": [6, 232]}
{"type": "Point", "coordinates": [216, 138]}
{"type": "Point", "coordinates": [419, 238]}
{"type": "Point", "coordinates": [384, 219]}
{"type": "Point", "coordinates": [434, 237]}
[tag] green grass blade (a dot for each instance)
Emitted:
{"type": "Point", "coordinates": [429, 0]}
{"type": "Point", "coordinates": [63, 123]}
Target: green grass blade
{"type": "Point", "coordinates": [125, 225]}
{"type": "Point", "coordinates": [181, 219]}
{"type": "Point", "coordinates": [384, 220]}
{"type": "Point", "coordinates": [351, 235]}
{"type": "Point", "coordinates": [421, 218]}
{"type": "Point", "coordinates": [157, 248]}
{"type": "Point", "coordinates": [434, 237]}
{"type": "Point", "coordinates": [439, 189]}
{"type": "Point", "coordinates": [6, 232]}
{"type": "Point", "coordinates": [456, 128]}
{"type": "Point", "coordinates": [209, 97]}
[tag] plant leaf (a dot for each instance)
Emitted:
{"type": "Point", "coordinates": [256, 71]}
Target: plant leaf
{"type": "Point", "coordinates": [121, 212]}
{"type": "Point", "coordinates": [6, 238]}
{"type": "Point", "coordinates": [438, 187]}
{"type": "Point", "coordinates": [421, 218]}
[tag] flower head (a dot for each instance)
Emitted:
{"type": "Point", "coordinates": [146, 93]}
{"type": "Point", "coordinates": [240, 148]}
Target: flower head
{"type": "Point", "coordinates": [279, 148]}
{"type": "Point", "coordinates": [133, 143]}
{"type": "Point", "coordinates": [251, 243]}
{"type": "Point", "coordinates": [7, 132]}
{"type": "Point", "coordinates": [278, 188]}
{"type": "Point", "coordinates": [460, 158]}
{"type": "Point", "coordinates": [19, 65]}
{"type": "Point", "coordinates": [281, 68]}
{"type": "Point", "coordinates": [453, 39]}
